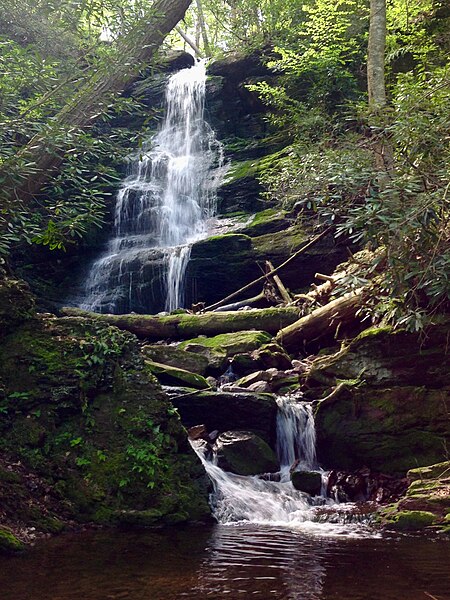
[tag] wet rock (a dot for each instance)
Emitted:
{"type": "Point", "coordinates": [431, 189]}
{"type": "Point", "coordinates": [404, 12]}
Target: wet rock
{"type": "Point", "coordinates": [174, 357]}
{"type": "Point", "coordinates": [227, 411]}
{"type": "Point", "coordinates": [259, 386]}
{"type": "Point", "coordinates": [307, 481]}
{"type": "Point", "coordinates": [198, 432]}
{"type": "Point", "coordinates": [245, 453]}
{"type": "Point", "coordinates": [169, 375]}
{"type": "Point", "coordinates": [253, 378]}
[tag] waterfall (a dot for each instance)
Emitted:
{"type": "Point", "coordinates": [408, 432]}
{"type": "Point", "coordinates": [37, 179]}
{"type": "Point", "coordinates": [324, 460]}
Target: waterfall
{"type": "Point", "coordinates": [238, 498]}
{"type": "Point", "coordinates": [274, 501]}
{"type": "Point", "coordinates": [162, 207]}
{"type": "Point", "coordinates": [296, 434]}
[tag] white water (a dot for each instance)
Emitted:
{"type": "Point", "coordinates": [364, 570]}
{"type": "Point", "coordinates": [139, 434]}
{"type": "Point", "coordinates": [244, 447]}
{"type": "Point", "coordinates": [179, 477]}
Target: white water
{"type": "Point", "coordinates": [241, 499]}
{"type": "Point", "coordinates": [162, 207]}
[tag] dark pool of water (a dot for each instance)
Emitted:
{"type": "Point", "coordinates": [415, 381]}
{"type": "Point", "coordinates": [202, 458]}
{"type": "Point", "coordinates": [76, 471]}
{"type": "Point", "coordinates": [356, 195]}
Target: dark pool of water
{"type": "Point", "coordinates": [228, 562]}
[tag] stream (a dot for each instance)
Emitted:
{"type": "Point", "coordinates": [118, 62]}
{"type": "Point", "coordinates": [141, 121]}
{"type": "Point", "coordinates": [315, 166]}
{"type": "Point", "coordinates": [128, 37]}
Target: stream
{"type": "Point", "coordinates": [228, 561]}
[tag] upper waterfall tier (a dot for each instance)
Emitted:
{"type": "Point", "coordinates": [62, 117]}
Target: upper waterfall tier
{"type": "Point", "coordinates": [162, 207]}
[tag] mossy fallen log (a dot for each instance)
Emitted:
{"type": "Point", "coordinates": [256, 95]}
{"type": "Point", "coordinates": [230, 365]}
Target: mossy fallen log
{"type": "Point", "coordinates": [185, 326]}
{"type": "Point", "coordinates": [324, 321]}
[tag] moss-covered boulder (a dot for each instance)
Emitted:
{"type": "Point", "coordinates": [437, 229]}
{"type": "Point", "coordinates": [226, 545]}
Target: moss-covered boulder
{"type": "Point", "coordinates": [244, 453]}
{"type": "Point", "coordinates": [389, 412]}
{"type": "Point", "coordinates": [219, 348]}
{"type": "Point", "coordinates": [85, 417]}
{"type": "Point", "coordinates": [175, 357]}
{"type": "Point", "coordinates": [411, 520]}
{"type": "Point", "coordinates": [169, 375]}
{"type": "Point", "coordinates": [426, 501]}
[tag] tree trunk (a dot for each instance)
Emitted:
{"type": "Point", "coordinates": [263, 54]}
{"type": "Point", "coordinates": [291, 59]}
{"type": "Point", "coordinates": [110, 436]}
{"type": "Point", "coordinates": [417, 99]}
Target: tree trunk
{"type": "Point", "coordinates": [323, 322]}
{"type": "Point", "coordinates": [376, 87]}
{"type": "Point", "coordinates": [42, 154]}
{"type": "Point", "coordinates": [375, 55]}
{"type": "Point", "coordinates": [201, 20]}
{"type": "Point", "coordinates": [185, 326]}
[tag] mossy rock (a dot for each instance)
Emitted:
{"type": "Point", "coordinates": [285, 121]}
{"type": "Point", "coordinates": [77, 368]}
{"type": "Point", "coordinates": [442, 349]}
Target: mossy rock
{"type": "Point", "coordinates": [170, 375]}
{"type": "Point", "coordinates": [411, 520]}
{"type": "Point", "coordinates": [244, 453]}
{"type": "Point", "coordinates": [437, 471]}
{"type": "Point", "coordinates": [81, 409]}
{"type": "Point", "coordinates": [231, 343]}
{"type": "Point", "coordinates": [175, 357]}
{"type": "Point", "coordinates": [391, 414]}
{"type": "Point", "coordinates": [9, 543]}
{"type": "Point", "coordinates": [16, 304]}
{"type": "Point", "coordinates": [267, 221]}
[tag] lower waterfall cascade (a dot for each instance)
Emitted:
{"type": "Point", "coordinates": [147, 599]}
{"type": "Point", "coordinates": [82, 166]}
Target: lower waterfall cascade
{"type": "Point", "coordinates": [162, 207]}
{"type": "Point", "coordinates": [273, 501]}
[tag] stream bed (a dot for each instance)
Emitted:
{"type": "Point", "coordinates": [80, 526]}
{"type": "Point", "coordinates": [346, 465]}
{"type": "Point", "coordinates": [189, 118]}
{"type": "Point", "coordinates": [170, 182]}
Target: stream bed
{"type": "Point", "coordinates": [231, 561]}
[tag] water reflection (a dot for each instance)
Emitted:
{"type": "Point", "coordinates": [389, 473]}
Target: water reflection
{"type": "Point", "coordinates": [228, 562]}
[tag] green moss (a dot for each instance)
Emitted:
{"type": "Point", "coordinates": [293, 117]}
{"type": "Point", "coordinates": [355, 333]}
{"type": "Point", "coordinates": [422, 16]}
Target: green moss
{"type": "Point", "coordinates": [410, 520]}
{"type": "Point", "coordinates": [372, 332]}
{"type": "Point", "coordinates": [9, 542]}
{"type": "Point", "coordinates": [232, 343]}
{"type": "Point", "coordinates": [282, 243]}
{"type": "Point", "coordinates": [430, 472]}
{"type": "Point", "coordinates": [174, 376]}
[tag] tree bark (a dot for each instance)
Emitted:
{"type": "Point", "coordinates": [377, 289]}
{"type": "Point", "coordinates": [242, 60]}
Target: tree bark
{"type": "Point", "coordinates": [185, 326]}
{"type": "Point", "coordinates": [375, 55]}
{"type": "Point", "coordinates": [201, 20]}
{"type": "Point", "coordinates": [376, 86]}
{"type": "Point", "coordinates": [322, 322]}
{"type": "Point", "coordinates": [42, 154]}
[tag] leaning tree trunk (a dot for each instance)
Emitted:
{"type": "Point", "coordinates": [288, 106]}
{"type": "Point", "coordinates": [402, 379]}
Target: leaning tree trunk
{"type": "Point", "coordinates": [42, 154]}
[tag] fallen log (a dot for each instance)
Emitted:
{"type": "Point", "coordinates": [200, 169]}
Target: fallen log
{"type": "Point", "coordinates": [185, 326]}
{"type": "Point", "coordinates": [324, 321]}
{"type": "Point", "coordinates": [242, 303]}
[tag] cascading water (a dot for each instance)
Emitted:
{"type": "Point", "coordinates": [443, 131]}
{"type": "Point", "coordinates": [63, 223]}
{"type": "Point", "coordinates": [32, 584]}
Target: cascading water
{"type": "Point", "coordinates": [252, 499]}
{"type": "Point", "coordinates": [162, 207]}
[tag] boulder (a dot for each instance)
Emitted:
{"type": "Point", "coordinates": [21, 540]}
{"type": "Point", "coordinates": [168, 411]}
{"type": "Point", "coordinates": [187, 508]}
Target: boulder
{"type": "Point", "coordinates": [253, 378]}
{"type": "Point", "coordinates": [245, 453]}
{"type": "Point", "coordinates": [87, 430]}
{"type": "Point", "coordinates": [426, 501]}
{"type": "Point", "coordinates": [175, 357]}
{"type": "Point", "coordinates": [389, 411]}
{"type": "Point", "coordinates": [227, 410]}
{"type": "Point", "coordinates": [307, 481]}
{"type": "Point", "coordinates": [219, 348]}
{"type": "Point", "coordinates": [169, 375]}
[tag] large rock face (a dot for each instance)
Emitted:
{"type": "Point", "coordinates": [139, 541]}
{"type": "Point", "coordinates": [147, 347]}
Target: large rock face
{"type": "Point", "coordinates": [391, 411]}
{"type": "Point", "coordinates": [89, 423]}
{"type": "Point", "coordinates": [227, 411]}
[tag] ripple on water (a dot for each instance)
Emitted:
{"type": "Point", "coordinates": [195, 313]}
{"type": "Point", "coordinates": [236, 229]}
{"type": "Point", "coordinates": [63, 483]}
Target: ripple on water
{"type": "Point", "coordinates": [233, 561]}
